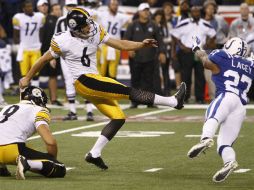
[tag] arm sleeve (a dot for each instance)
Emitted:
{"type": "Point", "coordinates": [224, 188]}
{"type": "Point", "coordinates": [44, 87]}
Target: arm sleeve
{"type": "Point", "coordinates": [15, 22]}
{"type": "Point", "coordinates": [218, 57]}
{"type": "Point", "coordinates": [42, 117]}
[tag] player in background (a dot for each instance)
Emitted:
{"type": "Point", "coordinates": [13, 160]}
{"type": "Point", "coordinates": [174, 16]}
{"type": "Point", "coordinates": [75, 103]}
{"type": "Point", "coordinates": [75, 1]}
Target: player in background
{"type": "Point", "coordinates": [78, 46]}
{"type": "Point", "coordinates": [232, 74]}
{"type": "Point", "coordinates": [15, 130]}
{"type": "Point", "coordinates": [27, 26]}
{"type": "Point", "coordinates": [61, 26]}
{"type": "Point", "coordinates": [113, 22]}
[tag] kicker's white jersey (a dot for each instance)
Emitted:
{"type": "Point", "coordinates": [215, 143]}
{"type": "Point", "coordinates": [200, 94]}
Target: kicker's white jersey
{"type": "Point", "coordinates": [112, 23]}
{"type": "Point", "coordinates": [29, 27]}
{"type": "Point", "coordinates": [79, 54]}
{"type": "Point", "coordinates": [19, 121]}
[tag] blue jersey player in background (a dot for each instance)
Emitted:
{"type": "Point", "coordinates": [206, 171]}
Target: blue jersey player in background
{"type": "Point", "coordinates": [232, 74]}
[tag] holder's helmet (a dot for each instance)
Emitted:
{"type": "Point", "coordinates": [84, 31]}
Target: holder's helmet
{"type": "Point", "coordinates": [34, 94]}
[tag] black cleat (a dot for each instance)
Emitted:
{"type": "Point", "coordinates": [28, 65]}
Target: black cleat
{"type": "Point", "coordinates": [22, 167]}
{"type": "Point", "coordinates": [89, 116]}
{"type": "Point", "coordinates": [56, 103]}
{"type": "Point", "coordinates": [4, 172]}
{"type": "Point", "coordinates": [180, 96]}
{"type": "Point", "coordinates": [96, 161]}
{"type": "Point", "coordinates": [70, 116]}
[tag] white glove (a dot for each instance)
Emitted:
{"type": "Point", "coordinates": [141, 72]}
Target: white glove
{"type": "Point", "coordinates": [196, 44]}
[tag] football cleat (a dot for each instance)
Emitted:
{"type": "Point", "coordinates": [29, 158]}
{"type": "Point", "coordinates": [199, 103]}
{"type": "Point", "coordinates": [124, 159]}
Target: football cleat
{"type": "Point", "coordinates": [4, 172]}
{"type": "Point", "coordinates": [224, 172]}
{"type": "Point", "coordinates": [22, 167]}
{"type": "Point", "coordinates": [70, 116]}
{"type": "Point", "coordinates": [89, 116]}
{"type": "Point", "coordinates": [180, 96]}
{"type": "Point", "coordinates": [197, 149]}
{"type": "Point", "coordinates": [96, 161]}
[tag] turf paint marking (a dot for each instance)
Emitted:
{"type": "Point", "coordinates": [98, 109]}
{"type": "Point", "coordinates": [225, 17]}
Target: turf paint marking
{"type": "Point", "coordinates": [242, 170]}
{"type": "Point", "coordinates": [153, 170]}
{"type": "Point", "coordinates": [103, 123]}
{"type": "Point", "coordinates": [198, 136]}
{"type": "Point", "coordinates": [195, 136]}
{"type": "Point", "coordinates": [70, 168]}
{"type": "Point", "coordinates": [125, 134]}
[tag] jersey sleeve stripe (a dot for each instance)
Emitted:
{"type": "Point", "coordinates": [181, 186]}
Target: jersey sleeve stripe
{"type": "Point", "coordinates": [43, 115]}
{"type": "Point", "coordinates": [15, 21]}
{"type": "Point", "coordinates": [103, 33]}
{"type": "Point", "coordinates": [55, 47]}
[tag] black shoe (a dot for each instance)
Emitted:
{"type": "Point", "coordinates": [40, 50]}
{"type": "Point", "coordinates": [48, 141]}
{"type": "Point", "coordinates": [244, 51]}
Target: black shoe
{"type": "Point", "coordinates": [56, 103]}
{"type": "Point", "coordinates": [133, 105]}
{"type": "Point", "coordinates": [22, 167]}
{"type": "Point", "coordinates": [4, 172]}
{"type": "Point", "coordinates": [89, 116]}
{"type": "Point", "coordinates": [96, 161]}
{"type": "Point", "coordinates": [152, 106]}
{"type": "Point", "coordinates": [180, 95]}
{"type": "Point", "coordinates": [70, 116]}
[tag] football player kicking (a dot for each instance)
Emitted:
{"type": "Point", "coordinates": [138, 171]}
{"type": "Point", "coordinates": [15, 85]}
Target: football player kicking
{"type": "Point", "coordinates": [17, 123]}
{"type": "Point", "coordinates": [78, 47]}
{"type": "Point", "coordinates": [232, 74]}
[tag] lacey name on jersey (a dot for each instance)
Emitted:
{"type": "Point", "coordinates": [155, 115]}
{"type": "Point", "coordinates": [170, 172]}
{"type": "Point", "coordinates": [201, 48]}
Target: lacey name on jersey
{"type": "Point", "coordinates": [242, 66]}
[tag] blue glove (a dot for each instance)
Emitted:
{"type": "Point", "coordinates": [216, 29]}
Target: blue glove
{"type": "Point", "coordinates": [196, 44]}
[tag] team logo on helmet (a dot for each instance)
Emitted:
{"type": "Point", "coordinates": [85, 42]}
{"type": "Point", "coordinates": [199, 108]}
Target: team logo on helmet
{"type": "Point", "coordinates": [36, 92]}
{"type": "Point", "coordinates": [72, 23]}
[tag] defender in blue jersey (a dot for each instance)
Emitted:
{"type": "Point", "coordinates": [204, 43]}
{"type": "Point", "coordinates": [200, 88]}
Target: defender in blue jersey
{"type": "Point", "coordinates": [232, 74]}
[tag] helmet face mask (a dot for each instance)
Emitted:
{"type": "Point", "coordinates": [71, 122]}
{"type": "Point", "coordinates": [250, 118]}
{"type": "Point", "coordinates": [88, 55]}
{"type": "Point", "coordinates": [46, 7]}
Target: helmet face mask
{"type": "Point", "coordinates": [35, 95]}
{"type": "Point", "coordinates": [79, 21]}
{"type": "Point", "coordinates": [236, 46]}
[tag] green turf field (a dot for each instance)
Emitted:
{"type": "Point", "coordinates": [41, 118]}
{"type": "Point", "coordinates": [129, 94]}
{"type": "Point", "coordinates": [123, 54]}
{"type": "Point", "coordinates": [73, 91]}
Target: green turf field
{"type": "Point", "coordinates": [129, 157]}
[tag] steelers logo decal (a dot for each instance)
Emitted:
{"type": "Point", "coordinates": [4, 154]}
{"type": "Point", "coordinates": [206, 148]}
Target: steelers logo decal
{"type": "Point", "coordinates": [72, 23]}
{"type": "Point", "coordinates": [36, 92]}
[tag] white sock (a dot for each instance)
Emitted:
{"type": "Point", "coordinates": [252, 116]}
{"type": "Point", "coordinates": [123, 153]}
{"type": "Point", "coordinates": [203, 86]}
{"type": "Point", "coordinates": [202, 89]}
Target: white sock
{"type": "Point", "coordinates": [89, 107]}
{"type": "Point", "coordinates": [209, 128]}
{"type": "Point", "coordinates": [72, 107]}
{"type": "Point", "coordinates": [35, 83]}
{"type": "Point", "coordinates": [35, 165]}
{"type": "Point", "coordinates": [165, 101]}
{"type": "Point", "coordinates": [228, 154]}
{"type": "Point", "coordinates": [98, 146]}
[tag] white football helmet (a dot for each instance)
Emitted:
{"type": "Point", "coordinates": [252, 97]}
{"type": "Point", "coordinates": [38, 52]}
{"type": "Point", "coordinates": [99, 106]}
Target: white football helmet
{"type": "Point", "coordinates": [236, 46]}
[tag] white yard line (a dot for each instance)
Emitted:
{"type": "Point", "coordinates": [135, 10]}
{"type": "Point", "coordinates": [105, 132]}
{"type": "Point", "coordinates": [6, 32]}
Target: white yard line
{"type": "Point", "coordinates": [242, 170]}
{"type": "Point", "coordinates": [70, 168]}
{"type": "Point", "coordinates": [153, 170]}
{"type": "Point", "coordinates": [103, 123]}
{"type": "Point", "coordinates": [125, 106]}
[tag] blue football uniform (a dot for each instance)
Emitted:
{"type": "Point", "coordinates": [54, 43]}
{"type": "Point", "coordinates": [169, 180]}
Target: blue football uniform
{"type": "Point", "coordinates": [236, 74]}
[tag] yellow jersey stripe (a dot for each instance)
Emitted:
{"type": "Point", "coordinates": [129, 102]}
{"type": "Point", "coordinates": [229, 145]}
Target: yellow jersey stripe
{"type": "Point", "coordinates": [15, 22]}
{"type": "Point", "coordinates": [82, 11]}
{"type": "Point", "coordinates": [103, 33]}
